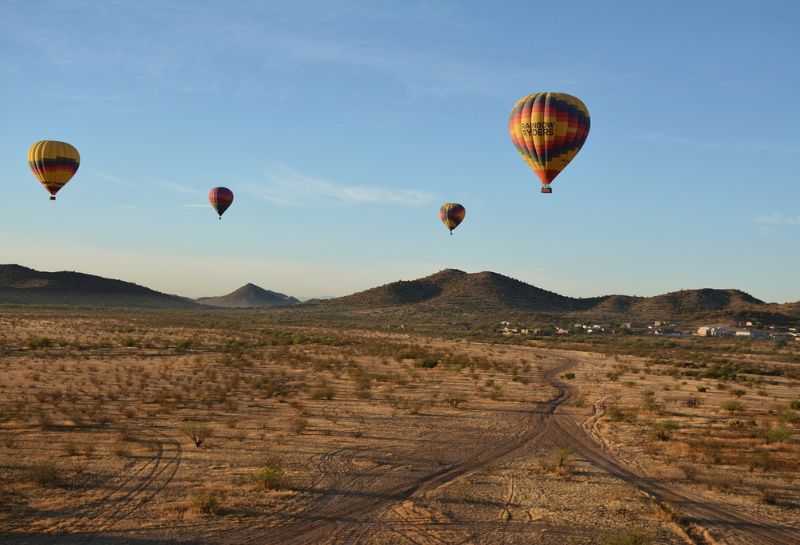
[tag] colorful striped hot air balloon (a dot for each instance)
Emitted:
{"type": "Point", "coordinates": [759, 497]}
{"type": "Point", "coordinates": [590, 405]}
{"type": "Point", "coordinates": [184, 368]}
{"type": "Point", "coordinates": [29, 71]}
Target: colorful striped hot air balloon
{"type": "Point", "coordinates": [548, 130]}
{"type": "Point", "coordinates": [54, 163]}
{"type": "Point", "coordinates": [220, 198]}
{"type": "Point", "coordinates": [452, 214]}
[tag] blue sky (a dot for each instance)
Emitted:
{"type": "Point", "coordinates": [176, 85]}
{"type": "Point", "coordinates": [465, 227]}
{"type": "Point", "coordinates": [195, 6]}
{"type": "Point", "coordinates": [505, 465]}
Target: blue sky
{"type": "Point", "coordinates": [342, 126]}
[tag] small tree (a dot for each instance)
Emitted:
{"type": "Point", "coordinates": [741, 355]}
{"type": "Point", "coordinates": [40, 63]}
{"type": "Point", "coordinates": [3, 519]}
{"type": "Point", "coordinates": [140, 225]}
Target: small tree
{"type": "Point", "coordinates": [731, 406]}
{"type": "Point", "coordinates": [196, 431]}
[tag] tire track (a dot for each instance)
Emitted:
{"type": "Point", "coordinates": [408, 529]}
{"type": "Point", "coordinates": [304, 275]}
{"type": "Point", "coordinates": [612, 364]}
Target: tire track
{"type": "Point", "coordinates": [695, 510]}
{"type": "Point", "coordinates": [127, 496]}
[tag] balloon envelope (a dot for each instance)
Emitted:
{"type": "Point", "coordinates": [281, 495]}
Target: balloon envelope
{"type": "Point", "coordinates": [220, 198]}
{"type": "Point", "coordinates": [452, 214]}
{"type": "Point", "coordinates": [53, 163]}
{"type": "Point", "coordinates": [548, 130]}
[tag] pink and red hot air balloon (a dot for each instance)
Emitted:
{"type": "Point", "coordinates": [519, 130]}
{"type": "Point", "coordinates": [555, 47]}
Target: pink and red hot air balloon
{"type": "Point", "coordinates": [220, 198]}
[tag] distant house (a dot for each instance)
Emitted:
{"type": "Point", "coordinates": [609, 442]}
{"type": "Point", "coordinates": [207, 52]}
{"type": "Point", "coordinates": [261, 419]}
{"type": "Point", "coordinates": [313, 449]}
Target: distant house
{"type": "Point", "coordinates": [562, 331]}
{"type": "Point", "coordinates": [704, 331]}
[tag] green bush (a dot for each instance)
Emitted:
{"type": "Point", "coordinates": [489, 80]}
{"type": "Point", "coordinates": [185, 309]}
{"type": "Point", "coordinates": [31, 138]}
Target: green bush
{"type": "Point", "coordinates": [777, 435]}
{"type": "Point", "coordinates": [204, 503]}
{"type": "Point", "coordinates": [662, 430]}
{"type": "Point", "coordinates": [427, 362]}
{"type": "Point", "coordinates": [45, 474]}
{"type": "Point", "coordinates": [271, 476]}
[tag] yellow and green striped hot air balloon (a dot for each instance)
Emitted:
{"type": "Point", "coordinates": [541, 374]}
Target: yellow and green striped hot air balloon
{"type": "Point", "coordinates": [54, 163]}
{"type": "Point", "coordinates": [548, 130]}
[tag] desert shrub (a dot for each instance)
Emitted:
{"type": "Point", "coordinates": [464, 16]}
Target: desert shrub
{"type": "Point", "coordinates": [299, 425]}
{"type": "Point", "coordinates": [731, 406]}
{"type": "Point", "coordinates": [568, 376]}
{"type": "Point", "coordinates": [184, 345]}
{"type": "Point", "coordinates": [38, 342]}
{"type": "Point", "coordinates": [615, 414]}
{"type": "Point", "coordinates": [702, 389]}
{"type": "Point", "coordinates": [649, 401]}
{"type": "Point", "coordinates": [795, 405]}
{"type": "Point", "coordinates": [204, 502]}
{"type": "Point", "coordinates": [689, 470]}
{"type": "Point", "coordinates": [625, 537]}
{"type": "Point", "coordinates": [562, 460]}
{"type": "Point", "coordinates": [44, 420]}
{"type": "Point", "coordinates": [768, 495]}
{"type": "Point", "coordinates": [777, 435]}
{"type": "Point", "coordinates": [45, 474]}
{"type": "Point", "coordinates": [662, 431]}
{"type": "Point", "coordinates": [271, 476]}
{"type": "Point", "coordinates": [613, 376]}
{"type": "Point", "coordinates": [427, 362]}
{"type": "Point", "coordinates": [323, 391]}
{"type": "Point", "coordinates": [454, 400]}
{"type": "Point", "coordinates": [693, 402]}
{"type": "Point", "coordinates": [738, 392]}
{"type": "Point", "coordinates": [198, 432]}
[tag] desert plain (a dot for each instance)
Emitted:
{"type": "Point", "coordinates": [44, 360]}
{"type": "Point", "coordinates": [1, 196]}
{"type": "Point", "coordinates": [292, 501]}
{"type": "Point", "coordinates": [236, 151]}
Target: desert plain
{"type": "Point", "coordinates": [145, 427]}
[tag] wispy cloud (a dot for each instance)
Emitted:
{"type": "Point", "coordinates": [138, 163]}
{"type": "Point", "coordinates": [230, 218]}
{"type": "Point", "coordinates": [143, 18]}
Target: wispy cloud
{"type": "Point", "coordinates": [179, 188]}
{"type": "Point", "coordinates": [777, 218]}
{"type": "Point", "coordinates": [113, 179]}
{"type": "Point", "coordinates": [709, 145]}
{"type": "Point", "coordinates": [290, 188]}
{"type": "Point", "coordinates": [193, 205]}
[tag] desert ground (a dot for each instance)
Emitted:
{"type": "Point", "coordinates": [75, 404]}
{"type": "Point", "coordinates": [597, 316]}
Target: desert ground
{"type": "Point", "coordinates": [145, 427]}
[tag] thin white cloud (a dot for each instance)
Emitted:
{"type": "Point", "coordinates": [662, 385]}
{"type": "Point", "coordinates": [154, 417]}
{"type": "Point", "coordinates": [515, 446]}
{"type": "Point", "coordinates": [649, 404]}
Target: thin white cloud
{"type": "Point", "coordinates": [777, 218]}
{"type": "Point", "coordinates": [110, 178]}
{"type": "Point", "coordinates": [178, 188]}
{"type": "Point", "coordinates": [193, 205]}
{"type": "Point", "coordinates": [290, 188]}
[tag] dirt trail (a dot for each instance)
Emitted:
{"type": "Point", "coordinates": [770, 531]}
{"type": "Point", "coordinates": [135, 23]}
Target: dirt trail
{"type": "Point", "coordinates": [355, 519]}
{"type": "Point", "coordinates": [694, 510]}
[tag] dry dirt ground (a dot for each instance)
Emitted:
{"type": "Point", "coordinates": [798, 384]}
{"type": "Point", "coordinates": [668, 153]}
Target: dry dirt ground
{"type": "Point", "coordinates": [330, 436]}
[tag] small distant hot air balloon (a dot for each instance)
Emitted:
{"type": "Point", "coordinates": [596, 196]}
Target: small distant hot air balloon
{"type": "Point", "coordinates": [452, 214]}
{"type": "Point", "coordinates": [548, 130]}
{"type": "Point", "coordinates": [54, 163]}
{"type": "Point", "coordinates": [220, 198]}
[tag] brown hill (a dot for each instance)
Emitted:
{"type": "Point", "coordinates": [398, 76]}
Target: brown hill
{"type": "Point", "coordinates": [23, 286]}
{"type": "Point", "coordinates": [250, 296]}
{"type": "Point", "coordinates": [452, 289]}
{"type": "Point", "coordinates": [493, 294]}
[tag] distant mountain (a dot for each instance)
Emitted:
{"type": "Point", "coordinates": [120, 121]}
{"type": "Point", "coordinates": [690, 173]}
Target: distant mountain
{"type": "Point", "coordinates": [453, 292]}
{"type": "Point", "coordinates": [23, 286]}
{"type": "Point", "coordinates": [250, 296]}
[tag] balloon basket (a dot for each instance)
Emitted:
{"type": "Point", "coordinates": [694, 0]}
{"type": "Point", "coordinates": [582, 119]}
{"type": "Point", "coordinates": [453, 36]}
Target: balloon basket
{"type": "Point", "coordinates": [52, 197]}
{"type": "Point", "coordinates": [547, 190]}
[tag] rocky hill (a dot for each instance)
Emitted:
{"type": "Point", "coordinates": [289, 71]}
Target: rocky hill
{"type": "Point", "coordinates": [23, 286]}
{"type": "Point", "coordinates": [250, 296]}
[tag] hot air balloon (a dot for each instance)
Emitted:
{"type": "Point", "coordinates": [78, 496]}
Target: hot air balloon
{"type": "Point", "coordinates": [548, 130]}
{"type": "Point", "coordinates": [220, 198]}
{"type": "Point", "coordinates": [54, 163]}
{"type": "Point", "coordinates": [452, 214]}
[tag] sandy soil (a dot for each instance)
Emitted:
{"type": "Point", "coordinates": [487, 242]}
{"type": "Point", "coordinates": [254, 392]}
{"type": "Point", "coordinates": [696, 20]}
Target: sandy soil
{"type": "Point", "coordinates": [366, 444]}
